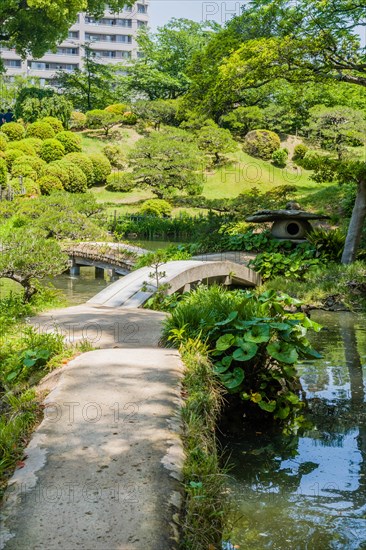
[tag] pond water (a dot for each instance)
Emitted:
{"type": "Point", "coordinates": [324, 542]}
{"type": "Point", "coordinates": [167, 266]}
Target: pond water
{"type": "Point", "coordinates": [309, 491]}
{"type": "Point", "coordinates": [77, 290]}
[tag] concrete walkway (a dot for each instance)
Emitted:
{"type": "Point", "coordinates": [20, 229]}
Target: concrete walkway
{"type": "Point", "coordinates": [103, 469]}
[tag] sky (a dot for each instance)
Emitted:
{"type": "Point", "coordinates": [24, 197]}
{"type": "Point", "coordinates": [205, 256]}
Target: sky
{"type": "Point", "coordinates": [161, 11]}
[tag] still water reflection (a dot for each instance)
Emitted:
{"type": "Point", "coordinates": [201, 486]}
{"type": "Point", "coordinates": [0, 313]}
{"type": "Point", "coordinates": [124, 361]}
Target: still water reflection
{"type": "Point", "coordinates": [309, 491]}
{"type": "Point", "coordinates": [77, 290]}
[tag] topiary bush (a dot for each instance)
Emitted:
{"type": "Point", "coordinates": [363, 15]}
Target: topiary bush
{"type": "Point", "coordinates": [78, 120]}
{"type": "Point", "coordinates": [57, 170]}
{"type": "Point", "coordinates": [27, 186]}
{"type": "Point", "coordinates": [35, 143]}
{"type": "Point", "coordinates": [84, 163]}
{"type": "Point", "coordinates": [13, 130]}
{"type": "Point", "coordinates": [114, 155]}
{"type": "Point", "coordinates": [117, 108]}
{"type": "Point", "coordinates": [3, 141]}
{"type": "Point", "coordinates": [77, 179]}
{"type": "Point", "coordinates": [54, 122]}
{"type": "Point", "coordinates": [102, 168]}
{"type": "Point", "coordinates": [35, 163]}
{"type": "Point", "coordinates": [10, 155]}
{"type": "Point", "coordinates": [3, 173]}
{"type": "Point", "coordinates": [23, 146]}
{"type": "Point", "coordinates": [279, 157]}
{"type": "Point", "coordinates": [23, 169]}
{"type": "Point", "coordinates": [41, 130]}
{"type": "Point", "coordinates": [51, 150]}
{"type": "Point", "coordinates": [261, 144]}
{"type": "Point", "coordinates": [120, 182]}
{"type": "Point", "coordinates": [129, 118]}
{"type": "Point", "coordinates": [71, 141]}
{"type": "Point", "coordinates": [156, 207]}
{"type": "Point", "coordinates": [48, 184]}
{"type": "Point", "coordinates": [310, 161]}
{"type": "Point", "coordinates": [300, 151]}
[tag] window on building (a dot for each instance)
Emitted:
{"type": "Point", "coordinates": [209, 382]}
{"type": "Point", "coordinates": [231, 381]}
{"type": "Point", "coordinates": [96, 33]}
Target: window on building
{"type": "Point", "coordinates": [141, 23]}
{"type": "Point", "coordinates": [15, 63]}
{"type": "Point", "coordinates": [141, 8]}
{"type": "Point", "coordinates": [73, 34]}
{"type": "Point", "coordinates": [67, 51]}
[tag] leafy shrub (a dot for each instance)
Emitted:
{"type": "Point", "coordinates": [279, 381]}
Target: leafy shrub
{"type": "Point", "coordinates": [28, 185]}
{"type": "Point", "coordinates": [23, 169]}
{"type": "Point", "coordinates": [3, 141]}
{"type": "Point", "coordinates": [13, 130]}
{"type": "Point", "coordinates": [84, 163]}
{"type": "Point", "coordinates": [23, 146]}
{"type": "Point", "coordinates": [300, 151]}
{"type": "Point", "coordinates": [310, 161]}
{"type": "Point", "coordinates": [35, 143]}
{"type": "Point", "coordinates": [291, 266]}
{"type": "Point", "coordinates": [129, 118]}
{"type": "Point", "coordinates": [156, 207]}
{"type": "Point", "coordinates": [35, 163]}
{"type": "Point", "coordinates": [328, 243]}
{"type": "Point", "coordinates": [49, 184]}
{"type": "Point", "coordinates": [261, 144]}
{"type": "Point", "coordinates": [71, 142]}
{"type": "Point", "coordinates": [255, 344]}
{"type": "Point", "coordinates": [279, 157]}
{"type": "Point", "coordinates": [57, 170]}
{"type": "Point", "coordinates": [120, 182]}
{"type": "Point", "coordinates": [10, 155]}
{"type": "Point", "coordinates": [41, 130]}
{"type": "Point", "coordinates": [3, 173]}
{"type": "Point", "coordinates": [54, 122]}
{"type": "Point", "coordinates": [102, 168]}
{"type": "Point", "coordinates": [114, 155]}
{"type": "Point", "coordinates": [77, 179]}
{"type": "Point", "coordinates": [51, 150]}
{"type": "Point", "coordinates": [78, 120]}
{"type": "Point", "coordinates": [117, 108]}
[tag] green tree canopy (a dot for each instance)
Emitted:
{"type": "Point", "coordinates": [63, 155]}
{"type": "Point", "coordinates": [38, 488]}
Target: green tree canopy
{"type": "Point", "coordinates": [167, 162]}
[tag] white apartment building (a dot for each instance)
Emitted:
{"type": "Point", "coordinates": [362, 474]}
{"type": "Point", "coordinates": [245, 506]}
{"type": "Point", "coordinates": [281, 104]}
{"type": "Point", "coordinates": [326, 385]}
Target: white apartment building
{"type": "Point", "coordinates": [113, 38]}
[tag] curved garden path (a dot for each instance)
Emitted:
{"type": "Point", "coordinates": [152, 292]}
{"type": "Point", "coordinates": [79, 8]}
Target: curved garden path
{"type": "Point", "coordinates": [102, 471]}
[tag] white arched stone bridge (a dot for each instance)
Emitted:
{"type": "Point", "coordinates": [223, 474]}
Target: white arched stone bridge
{"type": "Point", "coordinates": [179, 276]}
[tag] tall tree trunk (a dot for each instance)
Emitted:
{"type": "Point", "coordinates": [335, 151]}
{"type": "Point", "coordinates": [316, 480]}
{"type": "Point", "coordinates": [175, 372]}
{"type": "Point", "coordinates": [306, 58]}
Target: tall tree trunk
{"type": "Point", "coordinates": [355, 225]}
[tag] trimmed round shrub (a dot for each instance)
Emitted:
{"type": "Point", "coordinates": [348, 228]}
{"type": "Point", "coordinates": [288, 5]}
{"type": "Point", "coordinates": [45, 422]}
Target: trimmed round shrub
{"type": "Point", "coordinates": [51, 150]}
{"type": "Point", "coordinates": [120, 182]}
{"type": "Point", "coordinates": [129, 118]}
{"type": "Point", "coordinates": [54, 122]}
{"type": "Point", "coordinates": [23, 146]}
{"type": "Point", "coordinates": [261, 144]}
{"type": "Point", "coordinates": [310, 160]}
{"type": "Point", "coordinates": [3, 173]}
{"type": "Point", "coordinates": [28, 185]}
{"type": "Point", "coordinates": [300, 151]}
{"type": "Point", "coordinates": [84, 163]}
{"type": "Point", "coordinates": [23, 169]}
{"type": "Point", "coordinates": [78, 120]}
{"type": "Point", "coordinates": [41, 130]}
{"type": "Point", "coordinates": [57, 170]}
{"type": "Point", "coordinates": [279, 157]}
{"type": "Point", "coordinates": [77, 179]}
{"type": "Point", "coordinates": [14, 130]}
{"type": "Point", "coordinates": [49, 184]}
{"type": "Point", "coordinates": [35, 143]}
{"type": "Point", "coordinates": [35, 163]}
{"type": "Point", "coordinates": [156, 207]}
{"type": "Point", "coordinates": [114, 155]}
{"type": "Point", "coordinates": [117, 108]}
{"type": "Point", "coordinates": [71, 141]}
{"type": "Point", "coordinates": [10, 155]}
{"type": "Point", "coordinates": [102, 168]}
{"type": "Point", "coordinates": [3, 141]}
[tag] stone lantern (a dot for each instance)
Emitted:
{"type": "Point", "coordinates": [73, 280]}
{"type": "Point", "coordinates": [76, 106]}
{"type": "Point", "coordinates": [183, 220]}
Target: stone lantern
{"type": "Point", "coordinates": [291, 224]}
